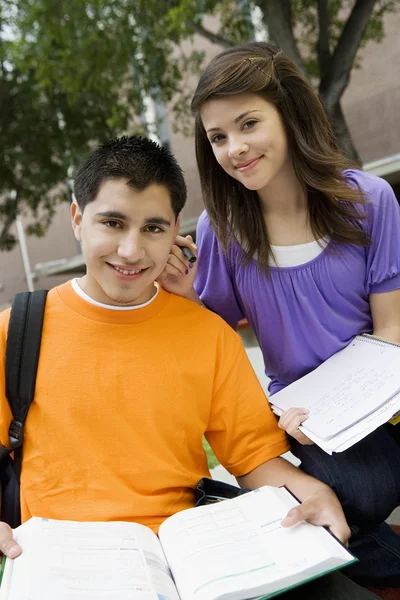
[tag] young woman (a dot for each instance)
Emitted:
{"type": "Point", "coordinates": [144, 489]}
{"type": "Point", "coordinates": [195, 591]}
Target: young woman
{"type": "Point", "coordinates": [307, 248]}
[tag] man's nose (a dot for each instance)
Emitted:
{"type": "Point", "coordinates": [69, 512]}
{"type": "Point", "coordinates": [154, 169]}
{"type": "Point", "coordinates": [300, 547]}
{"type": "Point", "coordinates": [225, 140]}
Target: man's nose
{"type": "Point", "coordinates": [130, 248]}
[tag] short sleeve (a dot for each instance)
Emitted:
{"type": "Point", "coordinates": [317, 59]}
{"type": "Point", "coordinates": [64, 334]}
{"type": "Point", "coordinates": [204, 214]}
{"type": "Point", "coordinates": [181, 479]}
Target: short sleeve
{"type": "Point", "coordinates": [5, 411]}
{"type": "Point", "coordinates": [213, 282]}
{"type": "Point", "coordinates": [242, 429]}
{"type": "Point", "coordinates": [383, 255]}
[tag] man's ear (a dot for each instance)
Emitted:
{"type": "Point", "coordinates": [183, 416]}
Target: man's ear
{"type": "Point", "coordinates": [76, 220]}
{"type": "Point", "coordinates": [177, 225]}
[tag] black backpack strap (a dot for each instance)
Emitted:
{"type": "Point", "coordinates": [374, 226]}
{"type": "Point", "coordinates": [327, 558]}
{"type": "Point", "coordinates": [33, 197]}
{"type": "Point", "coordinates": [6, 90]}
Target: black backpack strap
{"type": "Point", "coordinates": [22, 357]}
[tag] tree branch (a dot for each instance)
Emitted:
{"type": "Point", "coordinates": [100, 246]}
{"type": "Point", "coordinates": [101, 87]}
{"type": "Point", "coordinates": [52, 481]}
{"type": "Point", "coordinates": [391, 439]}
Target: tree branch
{"type": "Point", "coordinates": [343, 134]}
{"type": "Point", "coordinates": [212, 37]}
{"type": "Point", "coordinates": [323, 50]}
{"type": "Point", "coordinates": [7, 242]}
{"type": "Point", "coordinates": [277, 19]}
{"type": "Point", "coordinates": [337, 78]}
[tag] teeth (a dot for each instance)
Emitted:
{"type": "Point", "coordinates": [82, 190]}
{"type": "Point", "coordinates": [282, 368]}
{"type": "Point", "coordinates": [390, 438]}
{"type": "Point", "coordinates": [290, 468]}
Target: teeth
{"type": "Point", "coordinates": [126, 272]}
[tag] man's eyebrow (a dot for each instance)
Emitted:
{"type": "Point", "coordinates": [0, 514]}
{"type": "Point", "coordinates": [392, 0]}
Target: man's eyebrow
{"type": "Point", "coordinates": [157, 221]}
{"type": "Point", "coordinates": [236, 120]}
{"type": "Point", "coordinates": [112, 214]}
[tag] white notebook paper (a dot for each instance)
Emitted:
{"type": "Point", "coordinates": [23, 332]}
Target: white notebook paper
{"type": "Point", "coordinates": [356, 387]}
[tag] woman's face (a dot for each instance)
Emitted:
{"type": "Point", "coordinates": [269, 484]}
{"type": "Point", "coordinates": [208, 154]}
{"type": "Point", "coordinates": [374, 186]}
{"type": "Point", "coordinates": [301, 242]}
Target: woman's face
{"type": "Point", "coordinates": [248, 138]}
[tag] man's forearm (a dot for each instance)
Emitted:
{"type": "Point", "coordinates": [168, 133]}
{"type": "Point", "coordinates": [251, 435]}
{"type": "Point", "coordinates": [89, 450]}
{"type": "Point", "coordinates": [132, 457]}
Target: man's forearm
{"type": "Point", "coordinates": [278, 472]}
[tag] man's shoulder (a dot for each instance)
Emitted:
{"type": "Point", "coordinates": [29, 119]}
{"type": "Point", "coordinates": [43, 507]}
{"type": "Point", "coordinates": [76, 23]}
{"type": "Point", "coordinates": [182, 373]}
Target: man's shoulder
{"type": "Point", "coordinates": [52, 294]}
{"type": "Point", "coordinates": [204, 317]}
{"type": "Point", "coordinates": [4, 318]}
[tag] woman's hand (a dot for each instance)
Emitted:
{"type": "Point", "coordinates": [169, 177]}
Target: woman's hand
{"type": "Point", "coordinates": [179, 274]}
{"type": "Point", "coordinates": [290, 422]}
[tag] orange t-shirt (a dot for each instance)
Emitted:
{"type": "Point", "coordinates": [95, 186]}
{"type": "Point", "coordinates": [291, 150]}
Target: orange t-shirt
{"type": "Point", "coordinates": [122, 401]}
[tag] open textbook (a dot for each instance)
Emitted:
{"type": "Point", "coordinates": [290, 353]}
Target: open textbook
{"type": "Point", "coordinates": [350, 395]}
{"type": "Point", "coordinates": [231, 550]}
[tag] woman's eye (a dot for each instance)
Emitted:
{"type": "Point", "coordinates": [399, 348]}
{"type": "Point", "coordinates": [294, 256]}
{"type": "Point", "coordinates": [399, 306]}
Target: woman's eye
{"type": "Point", "coordinates": [217, 138]}
{"type": "Point", "coordinates": [249, 124]}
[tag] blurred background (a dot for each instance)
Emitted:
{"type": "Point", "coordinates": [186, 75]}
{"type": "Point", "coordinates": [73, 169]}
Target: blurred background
{"type": "Point", "coordinates": [75, 73]}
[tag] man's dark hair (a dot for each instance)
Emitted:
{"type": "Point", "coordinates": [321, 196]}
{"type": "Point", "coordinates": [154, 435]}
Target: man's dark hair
{"type": "Point", "coordinates": [139, 160]}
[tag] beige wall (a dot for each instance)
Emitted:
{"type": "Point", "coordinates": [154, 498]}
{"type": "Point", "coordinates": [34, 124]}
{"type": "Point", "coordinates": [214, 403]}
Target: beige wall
{"type": "Point", "coordinates": [183, 146]}
{"type": "Point", "coordinates": [58, 243]}
{"type": "Point", "coordinates": [372, 101]}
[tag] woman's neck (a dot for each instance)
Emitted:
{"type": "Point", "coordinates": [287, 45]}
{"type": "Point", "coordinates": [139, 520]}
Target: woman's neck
{"type": "Point", "coordinates": [283, 196]}
{"type": "Point", "coordinates": [284, 207]}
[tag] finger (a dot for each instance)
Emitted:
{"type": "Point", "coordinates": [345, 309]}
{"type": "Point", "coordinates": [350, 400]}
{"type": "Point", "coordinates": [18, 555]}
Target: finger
{"type": "Point", "coordinates": [307, 512]}
{"type": "Point", "coordinates": [8, 546]}
{"type": "Point", "coordinates": [291, 419]}
{"type": "Point", "coordinates": [297, 515]}
{"type": "Point", "coordinates": [168, 271]}
{"type": "Point", "coordinates": [185, 241]}
{"type": "Point", "coordinates": [177, 263]}
{"type": "Point", "coordinates": [341, 532]}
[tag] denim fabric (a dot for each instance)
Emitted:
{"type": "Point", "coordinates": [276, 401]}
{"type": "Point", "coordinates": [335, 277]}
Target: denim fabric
{"type": "Point", "coordinates": [335, 586]}
{"type": "Point", "coordinates": [366, 479]}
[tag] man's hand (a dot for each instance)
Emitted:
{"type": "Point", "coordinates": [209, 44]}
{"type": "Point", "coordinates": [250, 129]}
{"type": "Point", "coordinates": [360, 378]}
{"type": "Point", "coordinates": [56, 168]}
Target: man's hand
{"type": "Point", "coordinates": [8, 545]}
{"type": "Point", "coordinates": [179, 274]}
{"type": "Point", "coordinates": [320, 508]}
{"type": "Point", "coordinates": [290, 422]}
{"type": "Point", "coordinates": [319, 504]}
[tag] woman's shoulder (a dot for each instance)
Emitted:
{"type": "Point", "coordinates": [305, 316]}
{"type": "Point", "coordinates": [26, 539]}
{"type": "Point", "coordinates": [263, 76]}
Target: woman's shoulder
{"type": "Point", "coordinates": [375, 189]}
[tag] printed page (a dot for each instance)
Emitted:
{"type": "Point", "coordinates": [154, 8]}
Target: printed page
{"type": "Point", "coordinates": [350, 385]}
{"type": "Point", "coordinates": [86, 561]}
{"type": "Point", "coordinates": [233, 547]}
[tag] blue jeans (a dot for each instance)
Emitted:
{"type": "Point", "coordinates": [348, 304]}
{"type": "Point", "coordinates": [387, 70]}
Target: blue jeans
{"type": "Point", "coordinates": [366, 479]}
{"type": "Point", "coordinates": [330, 587]}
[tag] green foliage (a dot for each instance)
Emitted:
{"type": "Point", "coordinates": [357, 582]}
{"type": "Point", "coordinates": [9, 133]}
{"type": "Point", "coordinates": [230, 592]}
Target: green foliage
{"type": "Point", "coordinates": [306, 31]}
{"type": "Point", "coordinates": [75, 72]}
{"type": "Point", "coordinates": [211, 458]}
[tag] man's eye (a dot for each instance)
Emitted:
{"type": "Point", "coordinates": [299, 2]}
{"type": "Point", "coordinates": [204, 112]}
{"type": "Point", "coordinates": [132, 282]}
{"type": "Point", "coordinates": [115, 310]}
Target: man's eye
{"type": "Point", "coordinates": [112, 224]}
{"type": "Point", "coordinates": [154, 229]}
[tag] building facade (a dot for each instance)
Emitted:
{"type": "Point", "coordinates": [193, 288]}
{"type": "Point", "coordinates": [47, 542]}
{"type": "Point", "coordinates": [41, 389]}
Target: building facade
{"type": "Point", "coordinates": [371, 106]}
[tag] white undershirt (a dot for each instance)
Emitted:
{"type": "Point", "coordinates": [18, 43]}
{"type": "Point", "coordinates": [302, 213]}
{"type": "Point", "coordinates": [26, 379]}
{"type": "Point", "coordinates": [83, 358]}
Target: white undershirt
{"type": "Point", "coordinates": [292, 256]}
{"type": "Point", "coordinates": [76, 287]}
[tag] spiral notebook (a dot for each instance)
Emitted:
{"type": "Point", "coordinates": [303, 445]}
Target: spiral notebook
{"type": "Point", "coordinates": [351, 394]}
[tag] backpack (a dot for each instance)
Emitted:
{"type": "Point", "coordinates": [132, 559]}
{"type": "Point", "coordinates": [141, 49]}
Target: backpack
{"type": "Point", "coordinates": [22, 357]}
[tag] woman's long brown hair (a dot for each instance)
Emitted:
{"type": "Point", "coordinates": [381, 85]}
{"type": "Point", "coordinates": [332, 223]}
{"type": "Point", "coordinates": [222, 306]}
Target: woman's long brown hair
{"type": "Point", "coordinates": [234, 211]}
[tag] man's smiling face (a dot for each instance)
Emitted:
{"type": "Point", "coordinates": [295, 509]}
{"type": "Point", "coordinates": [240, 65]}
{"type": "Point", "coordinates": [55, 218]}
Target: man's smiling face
{"type": "Point", "coordinates": [126, 238]}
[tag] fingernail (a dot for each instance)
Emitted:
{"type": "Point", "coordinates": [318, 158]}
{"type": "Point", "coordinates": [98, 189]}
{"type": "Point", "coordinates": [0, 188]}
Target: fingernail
{"type": "Point", "coordinates": [193, 246]}
{"type": "Point", "coordinates": [190, 266]}
{"type": "Point", "coordinates": [186, 272]}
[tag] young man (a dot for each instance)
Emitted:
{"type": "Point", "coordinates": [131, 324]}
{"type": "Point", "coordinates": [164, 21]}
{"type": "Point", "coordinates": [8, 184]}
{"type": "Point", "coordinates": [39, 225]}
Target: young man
{"type": "Point", "coordinates": [131, 377]}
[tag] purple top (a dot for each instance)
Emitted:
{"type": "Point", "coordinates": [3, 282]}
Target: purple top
{"type": "Point", "coordinates": [302, 315]}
